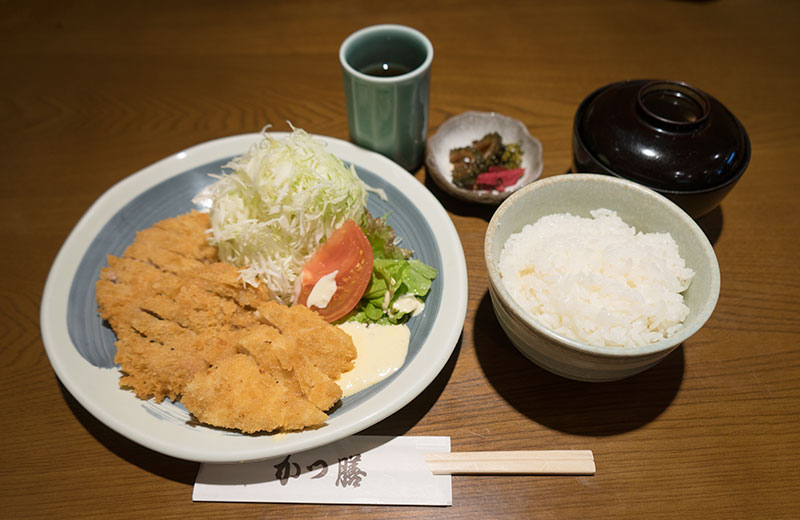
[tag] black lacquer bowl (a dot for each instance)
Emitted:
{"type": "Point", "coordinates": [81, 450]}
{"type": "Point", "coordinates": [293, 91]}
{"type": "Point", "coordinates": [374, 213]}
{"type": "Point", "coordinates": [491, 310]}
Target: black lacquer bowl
{"type": "Point", "coordinates": [666, 135]}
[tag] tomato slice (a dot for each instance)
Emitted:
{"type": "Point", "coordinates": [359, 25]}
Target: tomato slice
{"type": "Point", "coordinates": [349, 252]}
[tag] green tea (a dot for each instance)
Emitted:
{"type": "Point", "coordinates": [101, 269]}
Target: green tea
{"type": "Point", "coordinates": [385, 69]}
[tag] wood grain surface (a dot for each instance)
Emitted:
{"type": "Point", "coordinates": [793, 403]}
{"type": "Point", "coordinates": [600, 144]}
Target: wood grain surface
{"type": "Point", "coordinates": [91, 92]}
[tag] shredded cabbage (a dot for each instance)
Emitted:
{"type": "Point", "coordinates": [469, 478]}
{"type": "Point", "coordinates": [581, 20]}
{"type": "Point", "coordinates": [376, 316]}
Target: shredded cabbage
{"type": "Point", "coordinates": [284, 198]}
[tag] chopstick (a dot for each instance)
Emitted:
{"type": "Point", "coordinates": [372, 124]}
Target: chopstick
{"type": "Point", "coordinates": [545, 462]}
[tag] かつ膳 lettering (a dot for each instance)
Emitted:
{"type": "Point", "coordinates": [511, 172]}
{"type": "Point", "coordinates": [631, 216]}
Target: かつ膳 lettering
{"type": "Point", "coordinates": [349, 472]}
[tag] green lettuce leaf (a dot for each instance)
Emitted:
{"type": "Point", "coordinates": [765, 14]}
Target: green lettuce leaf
{"type": "Point", "coordinates": [396, 278]}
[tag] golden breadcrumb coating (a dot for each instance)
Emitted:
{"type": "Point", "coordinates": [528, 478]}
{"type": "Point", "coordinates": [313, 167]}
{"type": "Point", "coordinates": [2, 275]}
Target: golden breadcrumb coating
{"type": "Point", "coordinates": [188, 328]}
{"type": "Point", "coordinates": [238, 393]}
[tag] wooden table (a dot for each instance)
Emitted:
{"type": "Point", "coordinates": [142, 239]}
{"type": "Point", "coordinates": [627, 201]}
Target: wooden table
{"type": "Point", "coordinates": [94, 91]}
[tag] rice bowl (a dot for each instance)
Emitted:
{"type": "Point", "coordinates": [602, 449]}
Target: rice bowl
{"type": "Point", "coordinates": [637, 206]}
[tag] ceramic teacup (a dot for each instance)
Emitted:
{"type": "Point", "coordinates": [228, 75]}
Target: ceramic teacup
{"type": "Point", "coordinates": [386, 71]}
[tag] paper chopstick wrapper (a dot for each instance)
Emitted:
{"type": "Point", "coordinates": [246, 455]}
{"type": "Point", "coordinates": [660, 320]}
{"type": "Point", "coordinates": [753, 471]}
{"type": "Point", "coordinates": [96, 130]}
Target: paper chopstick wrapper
{"type": "Point", "coordinates": [367, 469]}
{"type": "Point", "coordinates": [358, 470]}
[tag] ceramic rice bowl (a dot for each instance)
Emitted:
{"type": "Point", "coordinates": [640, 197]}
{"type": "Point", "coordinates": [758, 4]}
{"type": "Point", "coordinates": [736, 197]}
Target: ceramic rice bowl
{"type": "Point", "coordinates": [637, 206]}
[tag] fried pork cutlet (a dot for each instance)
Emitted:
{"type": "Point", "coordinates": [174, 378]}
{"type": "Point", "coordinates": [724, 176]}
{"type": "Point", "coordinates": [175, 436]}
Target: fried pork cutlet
{"type": "Point", "coordinates": [187, 328]}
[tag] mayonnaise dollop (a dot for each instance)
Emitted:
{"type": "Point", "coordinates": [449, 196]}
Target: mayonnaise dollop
{"type": "Point", "coordinates": [382, 350]}
{"type": "Point", "coordinates": [320, 296]}
{"type": "Point", "coordinates": [408, 303]}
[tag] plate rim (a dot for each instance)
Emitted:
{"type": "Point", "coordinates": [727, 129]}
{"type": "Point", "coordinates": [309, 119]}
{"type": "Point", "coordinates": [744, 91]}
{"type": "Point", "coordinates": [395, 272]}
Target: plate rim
{"type": "Point", "coordinates": [66, 361]}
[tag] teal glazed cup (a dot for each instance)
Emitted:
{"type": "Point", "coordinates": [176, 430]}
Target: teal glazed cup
{"type": "Point", "coordinates": [386, 72]}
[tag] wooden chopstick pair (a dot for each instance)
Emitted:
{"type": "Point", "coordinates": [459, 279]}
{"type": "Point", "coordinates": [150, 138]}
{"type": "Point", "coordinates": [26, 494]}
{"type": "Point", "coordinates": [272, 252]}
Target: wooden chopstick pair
{"type": "Point", "coordinates": [544, 462]}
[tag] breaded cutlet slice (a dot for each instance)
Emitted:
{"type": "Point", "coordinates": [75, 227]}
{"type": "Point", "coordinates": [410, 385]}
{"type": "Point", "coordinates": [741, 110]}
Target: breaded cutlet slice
{"type": "Point", "coordinates": [328, 348]}
{"type": "Point", "coordinates": [298, 392]}
{"type": "Point", "coordinates": [279, 354]}
{"type": "Point", "coordinates": [238, 393]}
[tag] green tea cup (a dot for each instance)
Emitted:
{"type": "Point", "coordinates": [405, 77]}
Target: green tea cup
{"type": "Point", "coordinates": [386, 72]}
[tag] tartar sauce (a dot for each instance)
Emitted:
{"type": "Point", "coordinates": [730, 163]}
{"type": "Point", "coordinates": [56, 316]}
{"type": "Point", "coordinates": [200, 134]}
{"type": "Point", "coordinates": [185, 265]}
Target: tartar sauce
{"type": "Point", "coordinates": [381, 351]}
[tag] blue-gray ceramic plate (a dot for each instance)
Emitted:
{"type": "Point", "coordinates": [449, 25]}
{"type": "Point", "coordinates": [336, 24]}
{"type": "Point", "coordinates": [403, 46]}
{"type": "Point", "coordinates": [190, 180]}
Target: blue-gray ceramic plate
{"type": "Point", "coordinates": [81, 348]}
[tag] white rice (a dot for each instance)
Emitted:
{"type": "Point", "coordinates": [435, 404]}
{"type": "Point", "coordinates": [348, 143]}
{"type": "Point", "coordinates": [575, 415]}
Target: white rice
{"type": "Point", "coordinates": [596, 279]}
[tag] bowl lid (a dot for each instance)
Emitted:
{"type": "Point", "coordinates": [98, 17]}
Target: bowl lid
{"type": "Point", "coordinates": [664, 134]}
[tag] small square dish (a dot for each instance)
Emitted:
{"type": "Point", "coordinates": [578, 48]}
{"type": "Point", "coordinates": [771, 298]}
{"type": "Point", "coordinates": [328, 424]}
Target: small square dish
{"type": "Point", "coordinates": [460, 131]}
